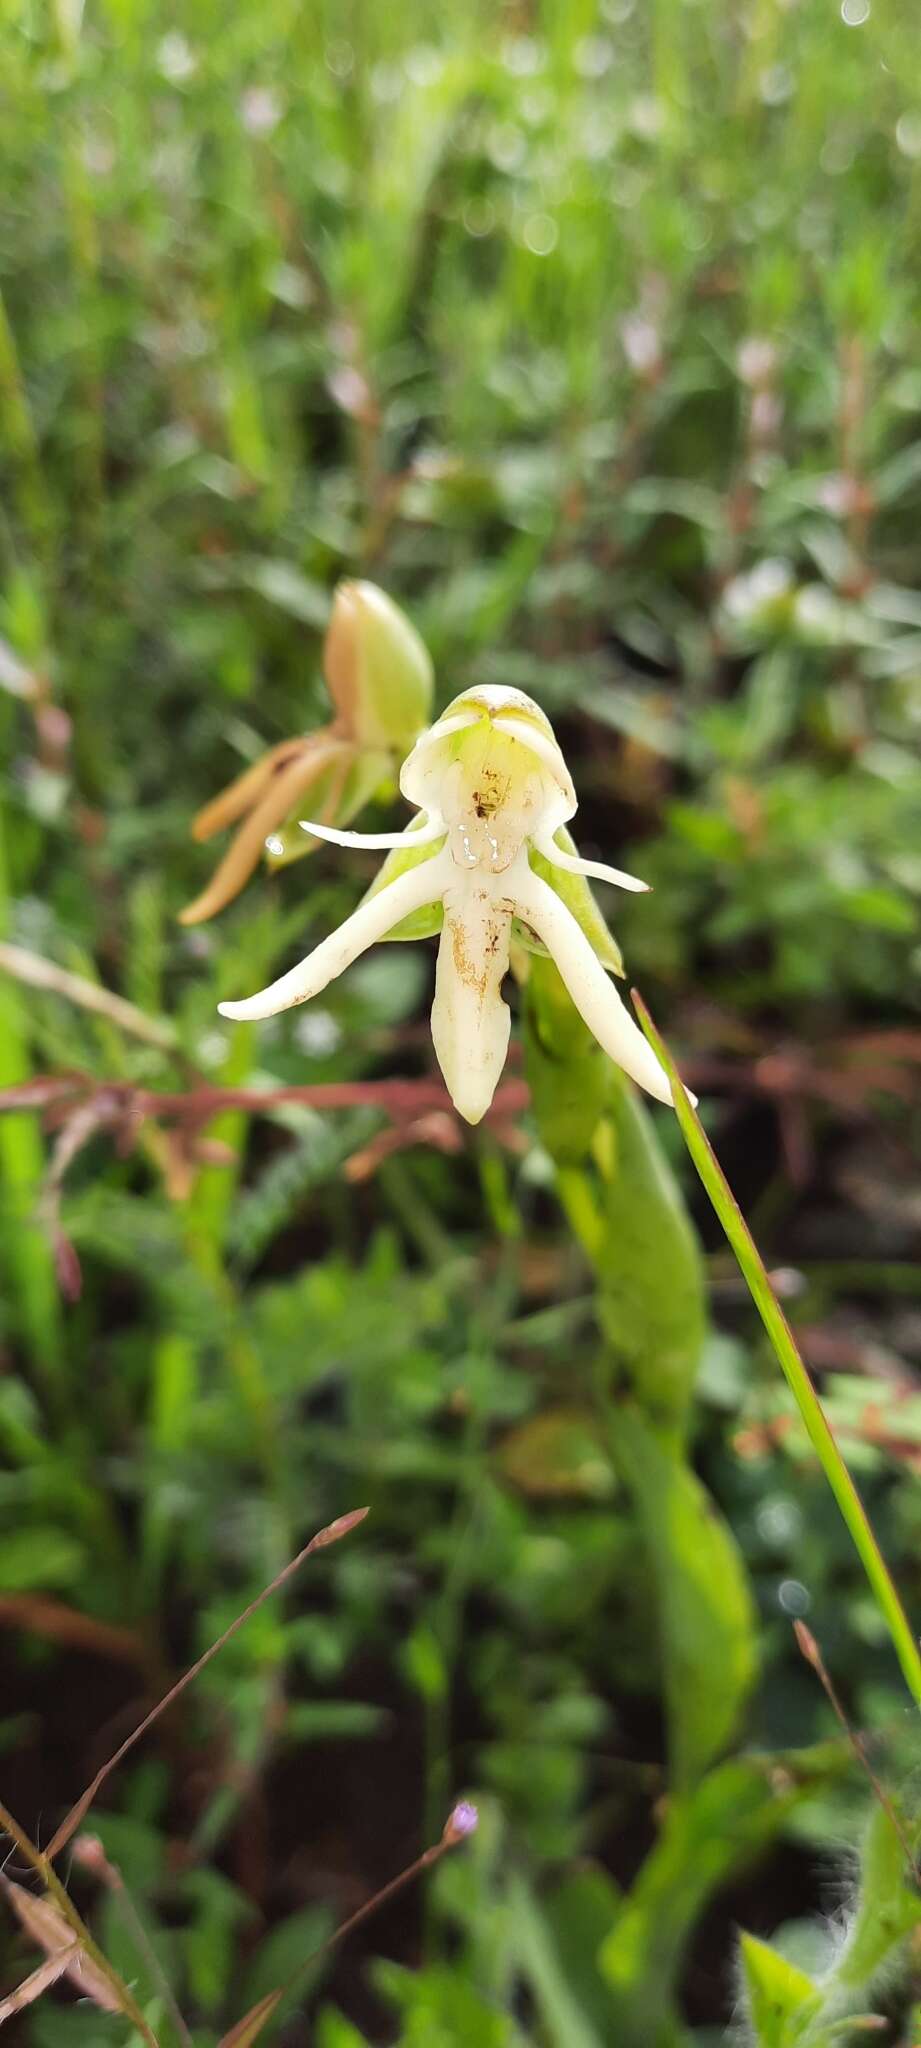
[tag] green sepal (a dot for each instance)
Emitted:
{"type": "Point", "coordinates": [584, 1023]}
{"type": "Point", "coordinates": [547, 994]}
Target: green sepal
{"type": "Point", "coordinates": [427, 922]}
{"type": "Point", "coordinates": [573, 890]}
{"type": "Point", "coordinates": [568, 1074]}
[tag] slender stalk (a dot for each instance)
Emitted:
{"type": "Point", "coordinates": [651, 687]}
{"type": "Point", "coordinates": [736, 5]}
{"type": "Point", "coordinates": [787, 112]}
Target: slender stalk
{"type": "Point", "coordinates": [68, 1910]}
{"type": "Point", "coordinates": [460, 1823]}
{"type": "Point", "coordinates": [89, 1853]}
{"type": "Point", "coordinates": [784, 1344]}
{"type": "Point", "coordinates": [332, 1534]}
{"type": "Point", "coordinates": [37, 972]}
{"type": "Point", "coordinates": [809, 1648]}
{"type": "Point", "coordinates": [381, 1898]}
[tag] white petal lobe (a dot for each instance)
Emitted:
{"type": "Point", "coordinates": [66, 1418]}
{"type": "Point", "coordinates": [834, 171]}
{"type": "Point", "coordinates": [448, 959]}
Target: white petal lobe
{"type": "Point", "coordinates": [594, 995]}
{"type": "Point", "coordinates": [370, 922]}
{"type": "Point", "coordinates": [597, 870]}
{"type": "Point", "coordinates": [470, 1022]}
{"type": "Point", "coordinates": [375, 841]}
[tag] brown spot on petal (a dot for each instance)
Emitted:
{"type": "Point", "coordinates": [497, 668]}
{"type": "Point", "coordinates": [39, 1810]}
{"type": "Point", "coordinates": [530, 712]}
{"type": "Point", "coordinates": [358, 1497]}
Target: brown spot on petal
{"type": "Point", "coordinates": [465, 965]}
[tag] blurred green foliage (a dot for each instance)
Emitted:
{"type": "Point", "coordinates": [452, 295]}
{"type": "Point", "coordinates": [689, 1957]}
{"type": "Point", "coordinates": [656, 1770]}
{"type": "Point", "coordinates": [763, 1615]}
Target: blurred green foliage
{"type": "Point", "coordinates": [589, 331]}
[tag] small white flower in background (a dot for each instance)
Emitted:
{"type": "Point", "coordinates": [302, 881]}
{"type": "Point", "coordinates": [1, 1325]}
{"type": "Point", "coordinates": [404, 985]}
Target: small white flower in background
{"type": "Point", "coordinates": [175, 57]}
{"type": "Point", "coordinates": [493, 795]}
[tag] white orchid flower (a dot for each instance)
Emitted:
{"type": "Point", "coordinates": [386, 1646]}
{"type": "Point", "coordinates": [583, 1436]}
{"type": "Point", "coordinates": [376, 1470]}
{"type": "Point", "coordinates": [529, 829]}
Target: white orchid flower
{"type": "Point", "coordinates": [492, 793]}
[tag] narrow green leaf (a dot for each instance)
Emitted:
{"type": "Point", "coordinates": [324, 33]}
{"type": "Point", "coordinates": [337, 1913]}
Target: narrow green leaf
{"type": "Point", "coordinates": [566, 2024]}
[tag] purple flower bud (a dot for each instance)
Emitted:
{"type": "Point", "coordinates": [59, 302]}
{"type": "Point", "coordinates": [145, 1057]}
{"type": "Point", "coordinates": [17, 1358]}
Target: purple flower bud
{"type": "Point", "coordinates": [461, 1822]}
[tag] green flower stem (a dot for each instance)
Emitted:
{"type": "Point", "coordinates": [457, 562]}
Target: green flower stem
{"type": "Point", "coordinates": [784, 1344]}
{"type": "Point", "coordinates": [22, 1170]}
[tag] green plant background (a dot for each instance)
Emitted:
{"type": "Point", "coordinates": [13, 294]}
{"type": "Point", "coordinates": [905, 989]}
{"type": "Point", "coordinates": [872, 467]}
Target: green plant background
{"type": "Point", "coordinates": [591, 334]}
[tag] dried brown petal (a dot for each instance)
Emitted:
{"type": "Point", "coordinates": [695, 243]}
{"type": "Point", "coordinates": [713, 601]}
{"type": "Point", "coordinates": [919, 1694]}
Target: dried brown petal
{"type": "Point", "coordinates": [284, 791]}
{"type": "Point", "coordinates": [241, 794]}
{"type": "Point", "coordinates": [46, 1926]}
{"type": "Point", "coordinates": [40, 1980]}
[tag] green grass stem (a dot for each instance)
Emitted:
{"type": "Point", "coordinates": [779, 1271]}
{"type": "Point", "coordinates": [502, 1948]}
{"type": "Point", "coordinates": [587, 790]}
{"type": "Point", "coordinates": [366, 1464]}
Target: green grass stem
{"type": "Point", "coordinates": [785, 1347]}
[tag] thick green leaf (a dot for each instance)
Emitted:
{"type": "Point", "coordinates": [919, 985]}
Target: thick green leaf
{"type": "Point", "coordinates": [706, 1615]}
{"type": "Point", "coordinates": [650, 1270]}
{"type": "Point", "coordinates": [781, 2000]}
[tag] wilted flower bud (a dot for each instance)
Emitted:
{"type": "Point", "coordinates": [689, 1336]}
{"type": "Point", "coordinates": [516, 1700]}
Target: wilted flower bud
{"type": "Point", "coordinates": [380, 678]}
{"type": "Point", "coordinates": [378, 670]}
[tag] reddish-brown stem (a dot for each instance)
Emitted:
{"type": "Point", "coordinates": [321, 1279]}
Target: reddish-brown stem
{"type": "Point", "coordinates": [72, 1820]}
{"type": "Point", "coordinates": [809, 1648]}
